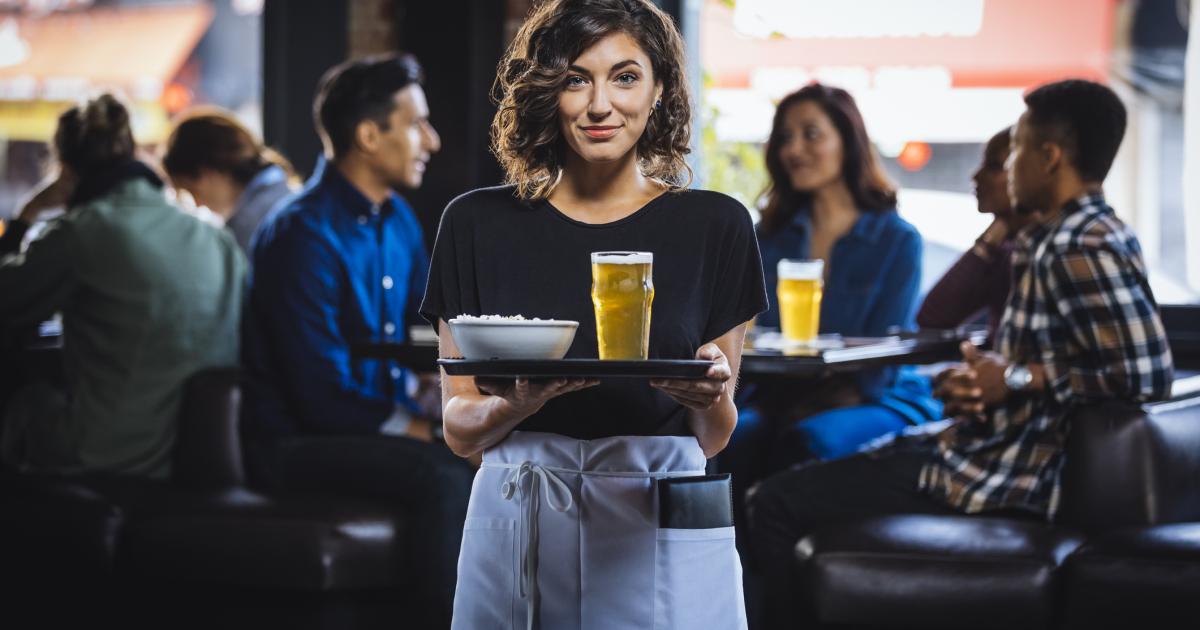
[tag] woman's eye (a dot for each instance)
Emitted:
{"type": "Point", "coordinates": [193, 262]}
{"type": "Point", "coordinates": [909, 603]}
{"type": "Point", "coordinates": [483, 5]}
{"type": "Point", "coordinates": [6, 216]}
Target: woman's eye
{"type": "Point", "coordinates": [627, 78]}
{"type": "Point", "coordinates": [575, 81]}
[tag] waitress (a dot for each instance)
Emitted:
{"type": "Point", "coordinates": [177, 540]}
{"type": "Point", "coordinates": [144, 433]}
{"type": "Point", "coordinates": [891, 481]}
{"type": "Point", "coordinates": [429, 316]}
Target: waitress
{"type": "Point", "coordinates": [563, 525]}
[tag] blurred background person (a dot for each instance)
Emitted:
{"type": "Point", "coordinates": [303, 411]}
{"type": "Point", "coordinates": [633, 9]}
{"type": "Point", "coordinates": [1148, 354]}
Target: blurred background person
{"type": "Point", "coordinates": [982, 277]}
{"type": "Point", "coordinates": [149, 295]}
{"type": "Point", "coordinates": [830, 200]}
{"type": "Point", "coordinates": [224, 167]}
{"type": "Point", "coordinates": [341, 262]}
{"type": "Point", "coordinates": [1081, 327]}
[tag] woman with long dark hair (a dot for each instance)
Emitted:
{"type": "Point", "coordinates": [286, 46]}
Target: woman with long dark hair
{"type": "Point", "coordinates": [567, 527]}
{"type": "Point", "coordinates": [829, 199]}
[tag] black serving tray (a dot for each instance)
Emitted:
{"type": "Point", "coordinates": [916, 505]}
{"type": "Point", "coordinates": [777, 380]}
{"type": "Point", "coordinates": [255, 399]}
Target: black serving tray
{"type": "Point", "coordinates": [578, 368]}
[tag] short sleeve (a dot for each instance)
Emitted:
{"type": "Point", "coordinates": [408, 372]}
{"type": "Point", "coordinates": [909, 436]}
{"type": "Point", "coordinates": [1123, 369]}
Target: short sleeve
{"type": "Point", "coordinates": [451, 288]}
{"type": "Point", "coordinates": [739, 292]}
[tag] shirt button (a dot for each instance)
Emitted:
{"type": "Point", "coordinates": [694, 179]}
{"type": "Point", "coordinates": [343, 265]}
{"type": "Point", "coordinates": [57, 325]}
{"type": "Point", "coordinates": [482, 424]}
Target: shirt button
{"type": "Point", "coordinates": [387, 282]}
{"type": "Point", "coordinates": [396, 373]}
{"type": "Point", "coordinates": [389, 328]}
{"type": "Point", "coordinates": [362, 219]}
{"type": "Point", "coordinates": [375, 209]}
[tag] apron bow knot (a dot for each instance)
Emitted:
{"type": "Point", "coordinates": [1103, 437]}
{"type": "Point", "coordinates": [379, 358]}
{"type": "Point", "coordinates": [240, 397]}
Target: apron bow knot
{"type": "Point", "coordinates": [526, 478]}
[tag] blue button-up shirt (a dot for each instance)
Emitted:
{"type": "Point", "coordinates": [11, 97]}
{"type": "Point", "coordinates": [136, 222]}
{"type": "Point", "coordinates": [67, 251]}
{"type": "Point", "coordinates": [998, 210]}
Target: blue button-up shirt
{"type": "Point", "coordinates": [874, 274]}
{"type": "Point", "coordinates": [329, 268]}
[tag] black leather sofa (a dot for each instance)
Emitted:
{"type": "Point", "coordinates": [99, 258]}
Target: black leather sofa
{"type": "Point", "coordinates": [201, 550]}
{"type": "Point", "coordinates": [204, 551]}
{"type": "Point", "coordinates": [1124, 551]}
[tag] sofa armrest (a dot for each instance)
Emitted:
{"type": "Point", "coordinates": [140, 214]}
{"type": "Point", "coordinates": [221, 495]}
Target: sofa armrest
{"type": "Point", "coordinates": [1129, 465]}
{"type": "Point", "coordinates": [208, 449]}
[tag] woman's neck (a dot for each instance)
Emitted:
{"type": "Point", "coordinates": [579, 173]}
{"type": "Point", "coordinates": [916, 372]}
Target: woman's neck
{"type": "Point", "coordinates": [833, 208]}
{"type": "Point", "coordinates": [602, 192]}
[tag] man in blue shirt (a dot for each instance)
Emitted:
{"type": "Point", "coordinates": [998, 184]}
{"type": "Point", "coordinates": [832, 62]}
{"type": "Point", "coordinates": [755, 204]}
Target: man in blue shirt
{"type": "Point", "coordinates": [340, 262]}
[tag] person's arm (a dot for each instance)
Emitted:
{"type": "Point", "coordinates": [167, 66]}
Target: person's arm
{"type": "Point", "coordinates": [965, 289]}
{"type": "Point", "coordinates": [478, 413]}
{"type": "Point", "coordinates": [898, 287]}
{"type": "Point", "coordinates": [298, 294]}
{"type": "Point", "coordinates": [35, 284]}
{"type": "Point", "coordinates": [958, 295]}
{"type": "Point", "coordinates": [50, 194]}
{"type": "Point", "coordinates": [712, 414]}
{"type": "Point", "coordinates": [1114, 321]}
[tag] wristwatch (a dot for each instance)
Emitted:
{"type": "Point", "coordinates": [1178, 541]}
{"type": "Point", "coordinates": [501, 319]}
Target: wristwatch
{"type": "Point", "coordinates": [1017, 377]}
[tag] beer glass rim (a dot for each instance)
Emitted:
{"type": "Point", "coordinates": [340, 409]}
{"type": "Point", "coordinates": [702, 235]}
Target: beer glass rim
{"type": "Point", "coordinates": [623, 258]}
{"type": "Point", "coordinates": [801, 269]}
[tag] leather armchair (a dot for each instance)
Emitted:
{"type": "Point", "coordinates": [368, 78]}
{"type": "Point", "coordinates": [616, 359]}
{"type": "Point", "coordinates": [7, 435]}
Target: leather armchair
{"type": "Point", "coordinates": [1135, 481]}
{"type": "Point", "coordinates": [212, 529]}
{"type": "Point", "coordinates": [203, 550]}
{"type": "Point", "coordinates": [935, 572]}
{"type": "Point", "coordinates": [1129, 466]}
{"type": "Point", "coordinates": [1123, 552]}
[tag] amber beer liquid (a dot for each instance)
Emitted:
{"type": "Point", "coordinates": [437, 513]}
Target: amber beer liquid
{"type": "Point", "coordinates": [622, 292]}
{"type": "Point", "coordinates": [801, 284]}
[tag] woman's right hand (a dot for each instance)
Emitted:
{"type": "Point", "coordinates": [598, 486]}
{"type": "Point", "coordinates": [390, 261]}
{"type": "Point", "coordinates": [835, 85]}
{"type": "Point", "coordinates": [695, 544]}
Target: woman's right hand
{"type": "Point", "coordinates": [524, 397]}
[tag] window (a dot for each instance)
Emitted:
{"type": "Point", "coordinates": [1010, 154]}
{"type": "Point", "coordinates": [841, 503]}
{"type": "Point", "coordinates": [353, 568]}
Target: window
{"type": "Point", "coordinates": [936, 78]}
{"type": "Point", "coordinates": [162, 56]}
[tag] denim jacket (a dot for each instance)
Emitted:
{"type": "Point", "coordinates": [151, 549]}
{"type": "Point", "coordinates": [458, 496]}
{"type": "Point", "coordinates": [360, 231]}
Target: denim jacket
{"type": "Point", "coordinates": [873, 276]}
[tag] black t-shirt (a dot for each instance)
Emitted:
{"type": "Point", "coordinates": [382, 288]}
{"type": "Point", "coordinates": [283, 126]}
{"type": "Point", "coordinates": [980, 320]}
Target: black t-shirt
{"type": "Point", "coordinates": [499, 255]}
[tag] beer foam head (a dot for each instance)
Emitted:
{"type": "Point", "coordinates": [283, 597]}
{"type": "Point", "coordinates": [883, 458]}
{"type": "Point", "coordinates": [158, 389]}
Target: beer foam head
{"type": "Point", "coordinates": [623, 258]}
{"type": "Point", "coordinates": [801, 269]}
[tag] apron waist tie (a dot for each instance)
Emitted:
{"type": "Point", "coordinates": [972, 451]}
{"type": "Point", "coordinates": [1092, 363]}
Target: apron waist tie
{"type": "Point", "coordinates": [527, 477]}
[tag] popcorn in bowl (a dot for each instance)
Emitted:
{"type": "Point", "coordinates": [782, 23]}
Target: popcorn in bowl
{"type": "Point", "coordinates": [484, 337]}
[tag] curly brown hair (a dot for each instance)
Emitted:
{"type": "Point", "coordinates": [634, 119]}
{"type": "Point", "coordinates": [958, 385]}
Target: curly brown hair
{"type": "Point", "coordinates": [526, 138]}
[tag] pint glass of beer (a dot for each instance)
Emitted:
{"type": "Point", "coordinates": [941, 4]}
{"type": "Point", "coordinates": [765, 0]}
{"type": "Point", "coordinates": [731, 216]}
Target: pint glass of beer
{"type": "Point", "coordinates": [801, 284]}
{"type": "Point", "coordinates": [622, 291]}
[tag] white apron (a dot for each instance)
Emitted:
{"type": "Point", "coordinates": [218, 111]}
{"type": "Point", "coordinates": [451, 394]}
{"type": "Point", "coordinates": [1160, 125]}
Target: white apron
{"type": "Point", "coordinates": [563, 534]}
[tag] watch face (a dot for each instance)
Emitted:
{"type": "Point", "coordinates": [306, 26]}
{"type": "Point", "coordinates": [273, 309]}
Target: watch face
{"type": "Point", "coordinates": [1017, 377]}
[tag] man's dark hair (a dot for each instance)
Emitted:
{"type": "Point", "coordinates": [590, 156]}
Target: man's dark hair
{"type": "Point", "coordinates": [1086, 118]}
{"type": "Point", "coordinates": [358, 90]}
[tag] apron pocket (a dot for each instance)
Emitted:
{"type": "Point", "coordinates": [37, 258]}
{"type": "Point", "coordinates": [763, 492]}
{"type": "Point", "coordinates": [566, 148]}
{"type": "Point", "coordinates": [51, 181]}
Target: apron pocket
{"type": "Point", "coordinates": [697, 580]}
{"type": "Point", "coordinates": [486, 595]}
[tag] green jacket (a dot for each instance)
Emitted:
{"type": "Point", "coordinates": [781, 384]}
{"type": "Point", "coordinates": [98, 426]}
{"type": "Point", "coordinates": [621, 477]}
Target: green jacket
{"type": "Point", "coordinates": [149, 295]}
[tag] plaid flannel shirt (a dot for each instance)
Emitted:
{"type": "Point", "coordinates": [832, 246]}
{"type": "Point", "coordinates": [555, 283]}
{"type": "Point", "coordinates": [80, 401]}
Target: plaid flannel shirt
{"type": "Point", "coordinates": [1082, 308]}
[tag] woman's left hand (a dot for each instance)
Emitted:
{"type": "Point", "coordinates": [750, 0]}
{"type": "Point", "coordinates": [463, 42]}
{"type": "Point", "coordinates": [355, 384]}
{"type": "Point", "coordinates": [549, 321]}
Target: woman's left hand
{"type": "Point", "coordinates": [52, 192]}
{"type": "Point", "coordinates": [700, 394]}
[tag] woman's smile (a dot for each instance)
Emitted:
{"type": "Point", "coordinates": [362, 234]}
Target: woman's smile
{"type": "Point", "coordinates": [601, 132]}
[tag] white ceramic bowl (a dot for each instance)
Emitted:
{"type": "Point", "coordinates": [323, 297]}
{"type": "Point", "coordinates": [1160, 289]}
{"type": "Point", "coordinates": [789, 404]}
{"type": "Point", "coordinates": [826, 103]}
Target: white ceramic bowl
{"type": "Point", "coordinates": [483, 339]}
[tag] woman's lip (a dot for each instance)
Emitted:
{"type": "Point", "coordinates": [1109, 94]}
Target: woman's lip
{"type": "Point", "coordinates": [601, 132]}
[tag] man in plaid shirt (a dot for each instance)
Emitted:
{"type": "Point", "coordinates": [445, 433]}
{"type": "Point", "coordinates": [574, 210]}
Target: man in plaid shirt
{"type": "Point", "coordinates": [1081, 326]}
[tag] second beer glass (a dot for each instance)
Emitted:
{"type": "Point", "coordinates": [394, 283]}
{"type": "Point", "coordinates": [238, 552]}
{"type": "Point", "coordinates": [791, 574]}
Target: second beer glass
{"type": "Point", "coordinates": [622, 292]}
{"type": "Point", "coordinates": [801, 284]}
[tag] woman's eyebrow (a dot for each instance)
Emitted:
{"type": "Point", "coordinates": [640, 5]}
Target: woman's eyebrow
{"type": "Point", "coordinates": [615, 67]}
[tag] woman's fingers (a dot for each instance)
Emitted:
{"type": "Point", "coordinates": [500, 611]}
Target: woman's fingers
{"type": "Point", "coordinates": [719, 372]}
{"type": "Point", "coordinates": [693, 401]}
{"type": "Point", "coordinates": [692, 398]}
{"type": "Point", "coordinates": [700, 386]}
